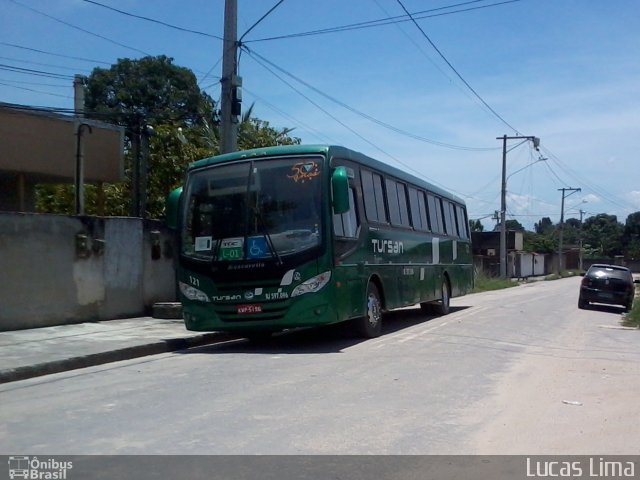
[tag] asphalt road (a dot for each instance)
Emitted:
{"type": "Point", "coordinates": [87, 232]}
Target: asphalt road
{"type": "Point", "coordinates": [515, 371]}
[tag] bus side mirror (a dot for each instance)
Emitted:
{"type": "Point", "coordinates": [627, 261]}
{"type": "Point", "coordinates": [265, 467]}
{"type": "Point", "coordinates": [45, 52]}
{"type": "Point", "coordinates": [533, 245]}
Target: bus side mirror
{"type": "Point", "coordinates": [173, 206]}
{"type": "Point", "coordinates": [340, 190]}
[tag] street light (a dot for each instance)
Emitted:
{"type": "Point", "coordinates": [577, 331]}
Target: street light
{"type": "Point", "coordinates": [503, 197]}
{"type": "Point", "coordinates": [581, 254]}
{"type": "Point", "coordinates": [564, 195]}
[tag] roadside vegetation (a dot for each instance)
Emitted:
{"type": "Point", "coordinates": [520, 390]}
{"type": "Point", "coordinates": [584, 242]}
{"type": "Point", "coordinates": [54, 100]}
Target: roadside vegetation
{"type": "Point", "coordinates": [563, 274]}
{"type": "Point", "coordinates": [485, 283]}
{"type": "Point", "coordinates": [632, 319]}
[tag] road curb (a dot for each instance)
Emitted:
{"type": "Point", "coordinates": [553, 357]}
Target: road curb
{"type": "Point", "coordinates": [94, 359]}
{"type": "Point", "coordinates": [167, 310]}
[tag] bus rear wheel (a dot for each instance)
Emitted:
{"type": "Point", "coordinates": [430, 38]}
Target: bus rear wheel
{"type": "Point", "coordinates": [370, 325]}
{"type": "Point", "coordinates": [443, 307]}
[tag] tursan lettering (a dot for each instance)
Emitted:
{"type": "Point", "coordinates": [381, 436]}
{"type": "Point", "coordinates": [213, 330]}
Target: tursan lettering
{"type": "Point", "coordinates": [386, 246]}
{"type": "Point", "coordinates": [220, 298]}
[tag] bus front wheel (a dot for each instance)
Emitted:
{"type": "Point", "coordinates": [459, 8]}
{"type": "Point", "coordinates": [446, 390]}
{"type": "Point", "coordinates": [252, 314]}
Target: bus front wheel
{"type": "Point", "coordinates": [370, 325]}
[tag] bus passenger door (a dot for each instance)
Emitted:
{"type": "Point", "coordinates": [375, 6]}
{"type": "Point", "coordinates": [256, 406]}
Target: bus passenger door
{"type": "Point", "coordinates": [347, 251]}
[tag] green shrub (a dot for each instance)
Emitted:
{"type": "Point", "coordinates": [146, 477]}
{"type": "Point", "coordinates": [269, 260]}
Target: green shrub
{"type": "Point", "coordinates": [632, 318]}
{"type": "Point", "coordinates": [485, 283]}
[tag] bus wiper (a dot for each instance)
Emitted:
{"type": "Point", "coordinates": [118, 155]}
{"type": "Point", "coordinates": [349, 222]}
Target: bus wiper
{"type": "Point", "coordinates": [267, 235]}
{"type": "Point", "coordinates": [258, 214]}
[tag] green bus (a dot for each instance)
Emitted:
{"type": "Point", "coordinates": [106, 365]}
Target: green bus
{"type": "Point", "coordinates": [305, 235]}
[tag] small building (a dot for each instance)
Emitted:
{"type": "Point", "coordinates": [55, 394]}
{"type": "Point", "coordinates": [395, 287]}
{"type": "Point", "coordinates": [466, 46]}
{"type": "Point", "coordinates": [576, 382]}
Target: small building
{"type": "Point", "coordinates": [488, 243]}
{"type": "Point", "coordinates": [529, 264]}
{"type": "Point", "coordinates": [39, 146]}
{"type": "Point", "coordinates": [520, 264]}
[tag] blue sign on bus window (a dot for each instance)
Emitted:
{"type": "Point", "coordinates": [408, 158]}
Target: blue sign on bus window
{"type": "Point", "coordinates": [257, 248]}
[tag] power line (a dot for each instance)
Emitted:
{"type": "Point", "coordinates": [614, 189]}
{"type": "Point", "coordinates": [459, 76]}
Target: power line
{"type": "Point", "coordinates": [153, 20]}
{"type": "Point", "coordinates": [37, 84]}
{"type": "Point", "coordinates": [427, 56]}
{"type": "Point", "coordinates": [39, 63]}
{"type": "Point", "coordinates": [384, 21]}
{"type": "Point", "coordinates": [209, 73]}
{"type": "Point", "coordinates": [456, 71]}
{"type": "Point", "coordinates": [70, 25]}
{"type": "Point", "coordinates": [34, 108]}
{"type": "Point", "coordinates": [34, 90]}
{"type": "Point", "coordinates": [310, 129]}
{"type": "Point", "coordinates": [587, 183]}
{"type": "Point", "coordinates": [38, 73]}
{"type": "Point", "coordinates": [54, 54]}
{"type": "Point", "coordinates": [260, 20]}
{"type": "Point", "coordinates": [354, 131]}
{"type": "Point", "coordinates": [362, 114]}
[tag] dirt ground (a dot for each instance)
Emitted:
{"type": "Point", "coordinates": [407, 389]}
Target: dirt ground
{"type": "Point", "coordinates": [578, 397]}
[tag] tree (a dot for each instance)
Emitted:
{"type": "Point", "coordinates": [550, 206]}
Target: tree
{"type": "Point", "coordinates": [571, 231]}
{"type": "Point", "coordinates": [544, 226]}
{"type": "Point", "coordinates": [535, 242]}
{"type": "Point", "coordinates": [632, 236]}
{"type": "Point", "coordinates": [476, 226]}
{"type": "Point", "coordinates": [153, 91]}
{"type": "Point", "coordinates": [603, 234]}
{"type": "Point", "coordinates": [514, 225]}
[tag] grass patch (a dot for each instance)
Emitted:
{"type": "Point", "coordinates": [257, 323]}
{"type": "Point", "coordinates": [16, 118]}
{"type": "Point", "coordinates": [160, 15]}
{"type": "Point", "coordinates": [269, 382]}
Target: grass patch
{"type": "Point", "coordinates": [486, 283]}
{"type": "Point", "coordinates": [562, 274]}
{"type": "Point", "coordinates": [632, 318]}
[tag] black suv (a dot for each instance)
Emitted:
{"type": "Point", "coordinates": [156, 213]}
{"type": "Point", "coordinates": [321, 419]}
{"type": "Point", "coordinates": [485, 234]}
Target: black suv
{"type": "Point", "coordinates": [609, 284]}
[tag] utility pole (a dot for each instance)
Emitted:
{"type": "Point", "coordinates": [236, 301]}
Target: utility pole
{"type": "Point", "coordinates": [503, 199]}
{"type": "Point", "coordinates": [564, 195]}
{"type": "Point", "coordinates": [230, 97]}
{"type": "Point", "coordinates": [140, 169]}
{"type": "Point", "coordinates": [136, 173]}
{"type": "Point", "coordinates": [580, 256]}
{"type": "Point", "coordinates": [78, 104]}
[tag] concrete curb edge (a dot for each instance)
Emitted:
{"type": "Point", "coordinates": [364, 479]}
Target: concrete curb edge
{"type": "Point", "coordinates": [94, 359]}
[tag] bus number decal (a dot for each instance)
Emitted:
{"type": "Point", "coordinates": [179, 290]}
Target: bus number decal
{"type": "Point", "coordinates": [304, 171]}
{"type": "Point", "coordinates": [386, 246]}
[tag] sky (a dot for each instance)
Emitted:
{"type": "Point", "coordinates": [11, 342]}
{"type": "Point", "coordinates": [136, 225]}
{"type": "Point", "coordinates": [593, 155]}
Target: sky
{"type": "Point", "coordinates": [431, 95]}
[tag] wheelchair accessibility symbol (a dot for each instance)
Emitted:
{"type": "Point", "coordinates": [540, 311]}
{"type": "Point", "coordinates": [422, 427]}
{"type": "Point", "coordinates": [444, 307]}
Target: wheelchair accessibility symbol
{"type": "Point", "coordinates": [257, 248]}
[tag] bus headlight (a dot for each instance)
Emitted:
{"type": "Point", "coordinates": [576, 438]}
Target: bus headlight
{"type": "Point", "coordinates": [193, 293]}
{"type": "Point", "coordinates": [312, 285]}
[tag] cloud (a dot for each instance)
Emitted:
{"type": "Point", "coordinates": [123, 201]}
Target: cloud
{"type": "Point", "coordinates": [591, 198]}
{"type": "Point", "coordinates": [633, 198]}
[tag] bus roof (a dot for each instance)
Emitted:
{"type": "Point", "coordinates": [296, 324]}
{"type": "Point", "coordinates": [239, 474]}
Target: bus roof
{"type": "Point", "coordinates": [331, 151]}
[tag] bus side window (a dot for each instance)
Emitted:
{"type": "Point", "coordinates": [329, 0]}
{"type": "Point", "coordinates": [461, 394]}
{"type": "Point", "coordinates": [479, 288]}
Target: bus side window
{"type": "Point", "coordinates": [454, 224]}
{"type": "Point", "coordinates": [373, 196]}
{"type": "Point", "coordinates": [450, 219]}
{"type": "Point", "coordinates": [463, 224]}
{"type": "Point", "coordinates": [435, 213]}
{"type": "Point", "coordinates": [345, 225]}
{"type": "Point", "coordinates": [397, 203]}
{"type": "Point", "coordinates": [418, 209]}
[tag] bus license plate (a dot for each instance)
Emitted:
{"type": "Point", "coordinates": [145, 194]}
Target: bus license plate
{"type": "Point", "coordinates": [244, 309]}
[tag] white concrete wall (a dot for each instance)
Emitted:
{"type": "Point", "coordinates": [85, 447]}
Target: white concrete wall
{"type": "Point", "coordinates": [49, 278]}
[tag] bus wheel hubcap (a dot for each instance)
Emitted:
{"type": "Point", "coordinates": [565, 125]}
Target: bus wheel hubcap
{"type": "Point", "coordinates": [373, 309]}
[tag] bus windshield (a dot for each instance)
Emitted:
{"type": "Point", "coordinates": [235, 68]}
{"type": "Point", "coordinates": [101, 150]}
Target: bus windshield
{"type": "Point", "coordinates": [253, 210]}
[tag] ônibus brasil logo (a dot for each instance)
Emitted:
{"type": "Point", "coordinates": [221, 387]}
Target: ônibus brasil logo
{"type": "Point", "coordinates": [38, 469]}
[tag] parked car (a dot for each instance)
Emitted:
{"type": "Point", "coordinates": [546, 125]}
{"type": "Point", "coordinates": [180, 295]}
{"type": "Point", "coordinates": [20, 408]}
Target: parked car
{"type": "Point", "coordinates": [610, 284]}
